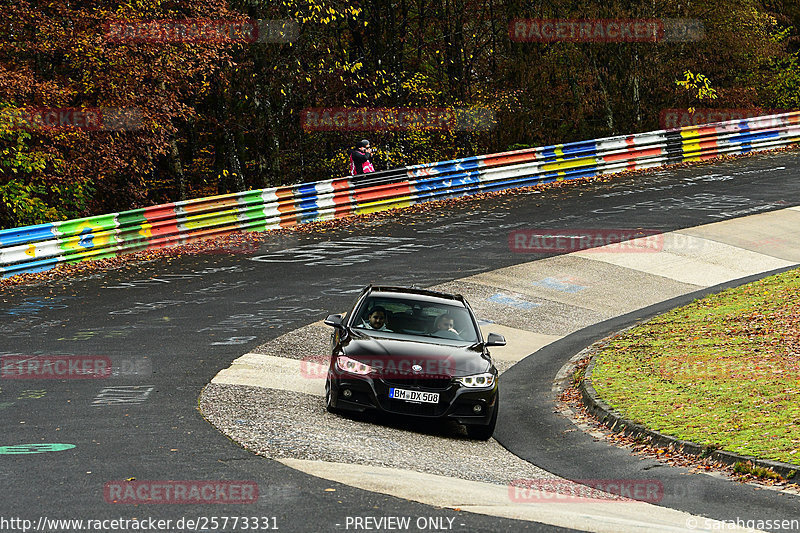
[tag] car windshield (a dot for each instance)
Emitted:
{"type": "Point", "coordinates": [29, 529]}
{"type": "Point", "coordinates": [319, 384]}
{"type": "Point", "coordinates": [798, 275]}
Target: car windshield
{"type": "Point", "coordinates": [408, 317]}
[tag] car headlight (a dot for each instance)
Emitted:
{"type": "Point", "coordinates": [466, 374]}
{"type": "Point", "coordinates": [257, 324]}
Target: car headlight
{"type": "Point", "coordinates": [477, 381]}
{"type": "Point", "coordinates": [346, 364]}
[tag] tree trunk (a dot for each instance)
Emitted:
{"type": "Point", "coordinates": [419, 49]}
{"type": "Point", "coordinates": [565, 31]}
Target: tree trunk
{"type": "Point", "coordinates": [233, 159]}
{"type": "Point", "coordinates": [606, 101]}
{"type": "Point", "coordinates": [177, 168]}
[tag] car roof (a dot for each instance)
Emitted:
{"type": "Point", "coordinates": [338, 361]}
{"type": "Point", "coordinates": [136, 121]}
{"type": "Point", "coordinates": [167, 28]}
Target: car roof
{"type": "Point", "coordinates": [417, 294]}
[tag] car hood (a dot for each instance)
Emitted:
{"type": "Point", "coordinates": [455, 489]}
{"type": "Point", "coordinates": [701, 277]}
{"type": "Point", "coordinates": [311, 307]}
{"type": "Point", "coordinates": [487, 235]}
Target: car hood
{"type": "Point", "coordinates": [435, 358]}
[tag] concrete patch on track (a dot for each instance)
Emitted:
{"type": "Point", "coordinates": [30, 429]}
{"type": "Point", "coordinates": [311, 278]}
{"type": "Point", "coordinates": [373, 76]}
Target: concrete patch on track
{"type": "Point", "coordinates": [269, 400]}
{"type": "Point", "coordinates": [596, 515]}
{"type": "Point", "coordinates": [549, 317]}
{"type": "Point", "coordinates": [692, 260]}
{"type": "Point", "coordinates": [538, 280]}
{"type": "Point", "coordinates": [768, 233]}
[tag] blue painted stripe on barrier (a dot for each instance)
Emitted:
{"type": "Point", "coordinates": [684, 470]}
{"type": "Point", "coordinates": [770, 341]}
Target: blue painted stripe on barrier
{"type": "Point", "coordinates": [436, 168]}
{"type": "Point", "coordinates": [570, 150]}
{"type": "Point", "coordinates": [465, 185]}
{"type": "Point", "coordinates": [426, 187]}
{"type": "Point", "coordinates": [522, 181]}
{"type": "Point", "coordinates": [32, 267]}
{"type": "Point", "coordinates": [749, 137]}
{"type": "Point", "coordinates": [309, 211]}
{"type": "Point", "coordinates": [306, 189]}
{"type": "Point", "coordinates": [26, 234]}
{"type": "Point", "coordinates": [305, 202]}
{"type": "Point", "coordinates": [583, 172]}
{"type": "Point", "coordinates": [455, 167]}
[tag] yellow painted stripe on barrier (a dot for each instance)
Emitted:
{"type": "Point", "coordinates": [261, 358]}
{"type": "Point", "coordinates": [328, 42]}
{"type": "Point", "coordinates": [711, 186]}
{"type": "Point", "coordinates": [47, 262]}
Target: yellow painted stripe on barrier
{"type": "Point", "coordinates": [383, 205]}
{"type": "Point", "coordinates": [569, 163]}
{"type": "Point", "coordinates": [690, 147]}
{"type": "Point", "coordinates": [690, 133]}
{"type": "Point", "coordinates": [146, 230]}
{"type": "Point", "coordinates": [201, 221]}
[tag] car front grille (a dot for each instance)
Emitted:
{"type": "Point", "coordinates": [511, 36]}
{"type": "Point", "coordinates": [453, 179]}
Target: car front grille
{"type": "Point", "coordinates": [428, 383]}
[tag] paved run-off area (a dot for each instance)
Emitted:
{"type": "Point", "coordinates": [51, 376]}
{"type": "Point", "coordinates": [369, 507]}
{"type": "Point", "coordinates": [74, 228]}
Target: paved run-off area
{"type": "Point", "coordinates": [270, 400]}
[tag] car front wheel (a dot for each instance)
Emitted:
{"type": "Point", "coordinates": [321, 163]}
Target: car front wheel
{"type": "Point", "coordinates": [329, 398]}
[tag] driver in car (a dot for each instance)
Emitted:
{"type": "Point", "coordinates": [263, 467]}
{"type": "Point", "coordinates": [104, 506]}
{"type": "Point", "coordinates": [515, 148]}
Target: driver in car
{"type": "Point", "coordinates": [445, 322]}
{"type": "Point", "coordinates": [376, 319]}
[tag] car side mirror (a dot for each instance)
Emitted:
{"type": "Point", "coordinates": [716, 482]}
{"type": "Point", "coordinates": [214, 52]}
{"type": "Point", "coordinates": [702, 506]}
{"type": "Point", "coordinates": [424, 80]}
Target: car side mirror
{"type": "Point", "coordinates": [495, 339]}
{"type": "Point", "coordinates": [335, 321]}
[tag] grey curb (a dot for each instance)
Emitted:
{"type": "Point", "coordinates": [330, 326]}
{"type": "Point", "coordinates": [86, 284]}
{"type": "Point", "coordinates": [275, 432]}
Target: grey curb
{"type": "Point", "coordinates": [613, 420]}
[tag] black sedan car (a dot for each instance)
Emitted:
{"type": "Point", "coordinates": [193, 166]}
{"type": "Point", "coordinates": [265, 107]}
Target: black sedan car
{"type": "Point", "coordinates": [413, 352]}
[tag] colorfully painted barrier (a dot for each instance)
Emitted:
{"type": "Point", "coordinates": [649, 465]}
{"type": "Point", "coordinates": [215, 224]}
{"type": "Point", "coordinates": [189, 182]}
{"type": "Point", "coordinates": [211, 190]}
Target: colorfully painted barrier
{"type": "Point", "coordinates": [42, 247]}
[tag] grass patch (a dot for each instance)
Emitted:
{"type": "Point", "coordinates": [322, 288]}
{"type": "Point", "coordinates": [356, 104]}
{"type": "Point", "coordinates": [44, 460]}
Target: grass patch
{"type": "Point", "coordinates": [749, 469]}
{"type": "Point", "coordinates": [723, 372]}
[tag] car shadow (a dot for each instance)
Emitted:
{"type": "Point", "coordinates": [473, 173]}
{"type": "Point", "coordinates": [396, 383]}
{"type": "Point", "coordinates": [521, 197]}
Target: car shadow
{"type": "Point", "coordinates": [432, 427]}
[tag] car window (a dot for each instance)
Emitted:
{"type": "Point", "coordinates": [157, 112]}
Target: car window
{"type": "Point", "coordinates": [418, 318]}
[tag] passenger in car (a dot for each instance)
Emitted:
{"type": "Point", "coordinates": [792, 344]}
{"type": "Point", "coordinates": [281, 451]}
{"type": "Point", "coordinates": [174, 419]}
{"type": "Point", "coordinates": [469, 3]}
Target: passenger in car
{"type": "Point", "coordinates": [376, 319]}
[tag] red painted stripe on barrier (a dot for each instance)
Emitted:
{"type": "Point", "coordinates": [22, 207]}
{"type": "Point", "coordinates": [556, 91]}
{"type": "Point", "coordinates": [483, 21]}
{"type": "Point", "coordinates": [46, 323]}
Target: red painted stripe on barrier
{"type": "Point", "coordinates": [342, 211]}
{"type": "Point", "coordinates": [633, 154]}
{"type": "Point", "coordinates": [341, 184]}
{"type": "Point", "coordinates": [380, 192]}
{"type": "Point", "coordinates": [159, 212]}
{"type": "Point", "coordinates": [709, 144]}
{"type": "Point", "coordinates": [631, 142]}
{"type": "Point", "coordinates": [286, 206]}
{"type": "Point", "coordinates": [163, 222]}
{"type": "Point", "coordinates": [198, 206]}
{"type": "Point", "coordinates": [342, 200]}
{"type": "Point", "coordinates": [507, 159]}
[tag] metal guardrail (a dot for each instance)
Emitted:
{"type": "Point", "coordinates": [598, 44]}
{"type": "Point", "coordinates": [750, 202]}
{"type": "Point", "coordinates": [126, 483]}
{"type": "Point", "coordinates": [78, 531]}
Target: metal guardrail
{"type": "Point", "coordinates": [42, 247]}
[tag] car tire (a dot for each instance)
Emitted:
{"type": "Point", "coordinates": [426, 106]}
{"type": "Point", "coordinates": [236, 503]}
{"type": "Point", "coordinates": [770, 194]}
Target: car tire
{"type": "Point", "coordinates": [329, 398]}
{"type": "Point", "coordinates": [485, 432]}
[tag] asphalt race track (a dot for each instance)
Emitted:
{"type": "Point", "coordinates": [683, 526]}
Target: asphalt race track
{"type": "Point", "coordinates": [168, 326]}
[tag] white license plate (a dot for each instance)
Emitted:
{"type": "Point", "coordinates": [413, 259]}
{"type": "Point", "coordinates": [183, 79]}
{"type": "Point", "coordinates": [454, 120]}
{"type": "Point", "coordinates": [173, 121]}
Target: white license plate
{"type": "Point", "coordinates": [413, 396]}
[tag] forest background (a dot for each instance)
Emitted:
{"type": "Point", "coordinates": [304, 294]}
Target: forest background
{"type": "Point", "coordinates": [218, 117]}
